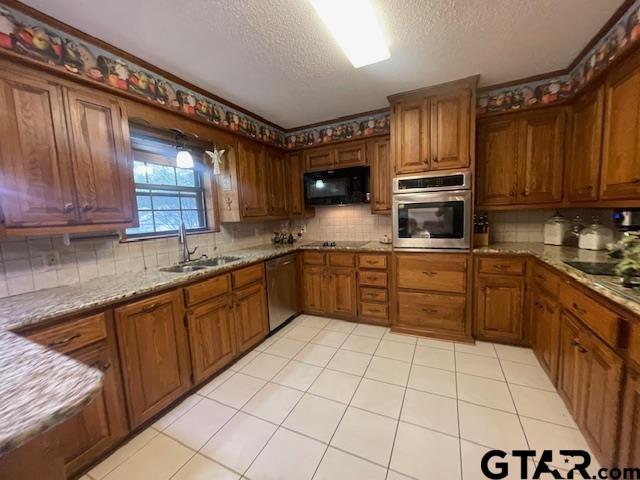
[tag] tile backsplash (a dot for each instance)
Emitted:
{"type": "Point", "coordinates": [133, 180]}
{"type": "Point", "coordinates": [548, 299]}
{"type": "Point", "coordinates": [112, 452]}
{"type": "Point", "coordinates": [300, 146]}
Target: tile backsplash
{"type": "Point", "coordinates": [348, 222]}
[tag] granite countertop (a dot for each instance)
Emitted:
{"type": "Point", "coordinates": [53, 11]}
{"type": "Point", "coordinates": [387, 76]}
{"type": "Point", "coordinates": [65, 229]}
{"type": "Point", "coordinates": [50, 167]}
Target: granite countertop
{"type": "Point", "coordinates": [39, 388]}
{"type": "Point", "coordinates": [555, 256]}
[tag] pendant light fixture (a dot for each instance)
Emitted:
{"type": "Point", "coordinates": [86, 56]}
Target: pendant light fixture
{"type": "Point", "coordinates": [184, 159]}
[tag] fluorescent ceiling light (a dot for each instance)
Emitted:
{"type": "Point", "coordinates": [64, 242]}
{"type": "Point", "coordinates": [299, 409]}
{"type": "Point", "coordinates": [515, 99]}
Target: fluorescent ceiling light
{"type": "Point", "coordinates": [355, 27]}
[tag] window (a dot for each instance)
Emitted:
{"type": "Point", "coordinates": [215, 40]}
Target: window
{"type": "Point", "coordinates": [165, 194]}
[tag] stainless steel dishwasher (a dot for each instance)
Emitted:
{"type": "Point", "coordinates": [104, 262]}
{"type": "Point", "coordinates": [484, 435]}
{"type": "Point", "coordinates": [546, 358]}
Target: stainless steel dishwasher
{"type": "Point", "coordinates": [282, 289]}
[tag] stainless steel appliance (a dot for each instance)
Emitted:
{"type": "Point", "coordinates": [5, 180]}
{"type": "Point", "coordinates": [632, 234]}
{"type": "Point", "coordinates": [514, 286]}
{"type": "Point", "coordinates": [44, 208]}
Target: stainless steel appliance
{"type": "Point", "coordinates": [282, 290]}
{"type": "Point", "coordinates": [627, 220]}
{"type": "Point", "coordinates": [337, 187]}
{"type": "Point", "coordinates": [432, 211]}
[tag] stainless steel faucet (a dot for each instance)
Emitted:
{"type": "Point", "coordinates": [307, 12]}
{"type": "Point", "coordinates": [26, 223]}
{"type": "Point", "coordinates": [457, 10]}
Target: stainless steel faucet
{"type": "Point", "coordinates": [185, 253]}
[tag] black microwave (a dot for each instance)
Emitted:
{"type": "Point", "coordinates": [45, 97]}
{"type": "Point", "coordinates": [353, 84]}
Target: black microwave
{"type": "Point", "coordinates": [337, 187]}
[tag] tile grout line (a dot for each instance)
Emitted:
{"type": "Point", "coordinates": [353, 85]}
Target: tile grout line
{"type": "Point", "coordinates": [455, 364]}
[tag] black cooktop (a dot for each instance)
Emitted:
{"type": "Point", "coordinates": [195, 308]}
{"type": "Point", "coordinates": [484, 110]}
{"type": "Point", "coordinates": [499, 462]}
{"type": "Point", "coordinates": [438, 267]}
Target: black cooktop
{"type": "Point", "coordinates": [595, 268]}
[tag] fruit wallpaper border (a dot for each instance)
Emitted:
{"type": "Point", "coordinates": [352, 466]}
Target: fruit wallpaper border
{"type": "Point", "coordinates": [624, 34]}
{"type": "Point", "coordinates": [29, 37]}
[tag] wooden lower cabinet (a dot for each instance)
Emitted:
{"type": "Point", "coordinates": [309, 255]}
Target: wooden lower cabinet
{"type": "Point", "coordinates": [431, 313]}
{"type": "Point", "coordinates": [629, 455]}
{"type": "Point", "coordinates": [154, 352]}
{"type": "Point", "coordinates": [211, 336]}
{"type": "Point", "coordinates": [499, 308]}
{"type": "Point", "coordinates": [545, 331]}
{"type": "Point", "coordinates": [251, 316]}
{"type": "Point", "coordinates": [569, 374]}
{"type": "Point", "coordinates": [343, 296]}
{"type": "Point", "coordinates": [314, 287]}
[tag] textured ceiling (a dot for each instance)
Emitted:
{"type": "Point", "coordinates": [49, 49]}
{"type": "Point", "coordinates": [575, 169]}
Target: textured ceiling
{"type": "Point", "coordinates": [275, 58]}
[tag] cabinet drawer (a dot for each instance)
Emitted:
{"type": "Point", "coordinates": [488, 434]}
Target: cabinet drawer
{"type": "Point", "coordinates": [373, 279]}
{"type": "Point", "coordinates": [207, 289]}
{"type": "Point", "coordinates": [248, 275]}
{"type": "Point", "coordinates": [342, 259]}
{"type": "Point", "coordinates": [375, 310]}
{"type": "Point", "coordinates": [374, 294]}
{"type": "Point", "coordinates": [372, 261]}
{"type": "Point", "coordinates": [313, 258]}
{"type": "Point", "coordinates": [431, 311]}
{"type": "Point", "coordinates": [634, 342]}
{"type": "Point", "coordinates": [73, 335]}
{"type": "Point", "coordinates": [596, 316]}
{"type": "Point", "coordinates": [440, 273]}
{"type": "Point", "coordinates": [546, 279]}
{"type": "Point", "coordinates": [502, 265]}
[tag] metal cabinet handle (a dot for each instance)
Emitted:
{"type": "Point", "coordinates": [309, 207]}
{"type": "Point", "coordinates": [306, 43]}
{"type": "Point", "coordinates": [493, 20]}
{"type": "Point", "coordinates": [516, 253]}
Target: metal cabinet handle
{"type": "Point", "coordinates": [65, 341]}
{"type": "Point", "coordinates": [105, 366]}
{"type": "Point", "coordinates": [68, 207]}
{"type": "Point", "coordinates": [589, 187]}
{"type": "Point", "coordinates": [538, 305]}
{"type": "Point", "coordinates": [525, 192]}
{"type": "Point", "coordinates": [501, 267]}
{"type": "Point", "coordinates": [541, 277]}
{"type": "Point", "coordinates": [150, 308]}
{"type": "Point", "coordinates": [429, 273]}
{"type": "Point", "coordinates": [636, 180]}
{"type": "Point", "coordinates": [87, 207]}
{"type": "Point", "coordinates": [429, 310]}
{"type": "Point", "coordinates": [578, 309]}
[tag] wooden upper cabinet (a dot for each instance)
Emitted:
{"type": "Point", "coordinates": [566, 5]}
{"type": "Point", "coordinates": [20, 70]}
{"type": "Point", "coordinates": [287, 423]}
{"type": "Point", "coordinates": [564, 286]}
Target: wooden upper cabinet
{"type": "Point", "coordinates": [500, 307]}
{"type": "Point", "coordinates": [154, 352]}
{"type": "Point", "coordinates": [450, 130]}
{"type": "Point", "coordinates": [36, 175]}
{"type": "Point", "coordinates": [410, 135]}
{"type": "Point", "coordinates": [101, 156]}
{"type": "Point", "coordinates": [277, 183]}
{"type": "Point", "coordinates": [251, 316]}
{"type": "Point", "coordinates": [620, 174]}
{"type": "Point", "coordinates": [497, 154]}
{"type": "Point", "coordinates": [540, 157]}
{"type": "Point", "coordinates": [350, 154]}
{"type": "Point", "coordinates": [295, 183]}
{"type": "Point", "coordinates": [319, 159]}
{"type": "Point", "coordinates": [252, 179]}
{"type": "Point", "coordinates": [582, 171]}
{"type": "Point", "coordinates": [379, 154]}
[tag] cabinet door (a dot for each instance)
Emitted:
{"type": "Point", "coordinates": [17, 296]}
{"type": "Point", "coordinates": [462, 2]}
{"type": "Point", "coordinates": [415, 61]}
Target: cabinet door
{"type": "Point", "coordinates": [319, 159]}
{"type": "Point", "coordinates": [295, 185]}
{"type": "Point", "coordinates": [315, 287]}
{"type": "Point", "coordinates": [630, 434]}
{"type": "Point", "coordinates": [541, 156]}
{"type": "Point", "coordinates": [497, 157]}
{"type": "Point", "coordinates": [450, 125]}
{"type": "Point", "coordinates": [545, 320]}
{"type": "Point", "coordinates": [35, 167]}
{"type": "Point", "coordinates": [620, 174]}
{"type": "Point", "coordinates": [252, 175]}
{"type": "Point", "coordinates": [277, 183]}
{"type": "Point", "coordinates": [601, 389]}
{"type": "Point", "coordinates": [211, 336]}
{"type": "Point", "coordinates": [102, 161]}
{"type": "Point", "coordinates": [154, 352]}
{"type": "Point", "coordinates": [343, 295]}
{"type": "Point", "coordinates": [569, 362]}
{"type": "Point", "coordinates": [251, 316]}
{"type": "Point", "coordinates": [85, 436]}
{"type": "Point", "coordinates": [378, 152]}
{"type": "Point", "coordinates": [585, 145]}
{"type": "Point", "coordinates": [352, 154]}
{"type": "Point", "coordinates": [410, 136]}
{"type": "Point", "coordinates": [499, 307]}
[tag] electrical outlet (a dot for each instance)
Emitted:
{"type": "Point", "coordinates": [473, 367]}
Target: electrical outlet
{"type": "Point", "coordinates": [50, 259]}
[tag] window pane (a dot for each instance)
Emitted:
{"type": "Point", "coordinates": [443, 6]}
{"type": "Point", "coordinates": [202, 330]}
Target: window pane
{"type": "Point", "coordinates": [139, 172]}
{"type": "Point", "coordinates": [192, 219]}
{"type": "Point", "coordinates": [186, 177]}
{"type": "Point", "coordinates": [146, 224]}
{"type": "Point", "coordinates": [189, 203]}
{"type": "Point", "coordinates": [167, 220]}
{"type": "Point", "coordinates": [166, 203]}
{"type": "Point", "coordinates": [161, 175]}
{"type": "Point", "coordinates": [144, 202]}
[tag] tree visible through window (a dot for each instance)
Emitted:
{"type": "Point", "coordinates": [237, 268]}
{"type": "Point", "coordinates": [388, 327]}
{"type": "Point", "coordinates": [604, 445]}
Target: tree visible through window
{"type": "Point", "coordinates": [165, 194]}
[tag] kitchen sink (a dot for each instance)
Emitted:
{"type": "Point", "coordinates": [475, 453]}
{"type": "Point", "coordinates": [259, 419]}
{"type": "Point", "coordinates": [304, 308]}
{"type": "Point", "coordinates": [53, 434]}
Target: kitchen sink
{"type": "Point", "coordinates": [595, 268]}
{"type": "Point", "coordinates": [200, 264]}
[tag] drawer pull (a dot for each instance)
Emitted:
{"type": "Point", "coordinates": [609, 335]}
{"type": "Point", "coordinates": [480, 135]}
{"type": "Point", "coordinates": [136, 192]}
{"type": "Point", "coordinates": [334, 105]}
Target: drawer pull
{"type": "Point", "coordinates": [376, 310]}
{"type": "Point", "coordinates": [105, 366]}
{"type": "Point", "coordinates": [429, 274]}
{"type": "Point", "coordinates": [430, 310]}
{"type": "Point", "coordinates": [541, 277]}
{"type": "Point", "coordinates": [538, 305]}
{"type": "Point", "coordinates": [150, 308]}
{"type": "Point", "coordinates": [370, 262]}
{"type": "Point", "coordinates": [580, 348]}
{"type": "Point", "coordinates": [577, 308]}
{"type": "Point", "coordinates": [501, 267]}
{"type": "Point", "coordinates": [64, 341]}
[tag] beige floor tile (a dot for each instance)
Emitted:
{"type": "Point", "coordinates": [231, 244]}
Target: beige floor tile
{"type": "Point", "coordinates": [316, 417]}
{"type": "Point", "coordinates": [400, 337]}
{"type": "Point", "coordinates": [314, 321]}
{"type": "Point", "coordinates": [273, 403]}
{"type": "Point", "coordinates": [373, 331]}
{"type": "Point", "coordinates": [265, 366]}
{"type": "Point", "coordinates": [378, 397]}
{"type": "Point", "coordinates": [479, 365]}
{"type": "Point", "coordinates": [366, 435]}
{"type": "Point", "coordinates": [516, 354]}
{"type": "Point", "coordinates": [238, 443]}
{"type": "Point", "coordinates": [434, 380]}
{"type": "Point", "coordinates": [431, 411]}
{"type": "Point", "coordinates": [387, 370]}
{"type": "Point", "coordinates": [350, 362]}
{"type": "Point", "coordinates": [246, 360]}
{"type": "Point", "coordinates": [122, 454]}
{"type": "Point", "coordinates": [435, 343]}
{"type": "Point", "coordinates": [159, 459]}
{"type": "Point", "coordinates": [285, 347]}
{"type": "Point", "coordinates": [237, 391]}
{"type": "Point", "coordinates": [341, 326]}
{"type": "Point", "coordinates": [397, 476]}
{"type": "Point", "coordinates": [177, 411]}
{"type": "Point", "coordinates": [337, 386]}
{"type": "Point", "coordinates": [358, 343]}
{"type": "Point", "coordinates": [435, 357]}
{"type": "Point", "coordinates": [541, 405]}
{"type": "Point", "coordinates": [216, 382]}
{"type": "Point", "coordinates": [485, 391]}
{"type": "Point", "coordinates": [472, 456]}
{"type": "Point", "coordinates": [297, 375]}
{"type": "Point", "coordinates": [340, 465]}
{"type": "Point", "coordinates": [201, 468]}
{"type": "Point", "coordinates": [318, 355]}
{"type": "Point", "coordinates": [395, 350]}
{"type": "Point", "coordinates": [528, 375]}
{"type": "Point", "coordinates": [198, 425]}
{"type": "Point", "coordinates": [302, 333]}
{"type": "Point", "coordinates": [485, 349]}
{"type": "Point", "coordinates": [287, 456]}
{"type": "Point", "coordinates": [489, 427]}
{"type": "Point", "coordinates": [421, 453]}
{"type": "Point", "coordinates": [329, 338]}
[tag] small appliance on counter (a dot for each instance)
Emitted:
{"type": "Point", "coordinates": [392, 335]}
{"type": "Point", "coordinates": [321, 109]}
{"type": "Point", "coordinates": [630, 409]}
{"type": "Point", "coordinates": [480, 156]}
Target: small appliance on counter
{"type": "Point", "coordinates": [555, 229]}
{"type": "Point", "coordinates": [572, 235]}
{"type": "Point", "coordinates": [627, 220]}
{"type": "Point", "coordinates": [595, 236]}
{"type": "Point", "coordinates": [480, 230]}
